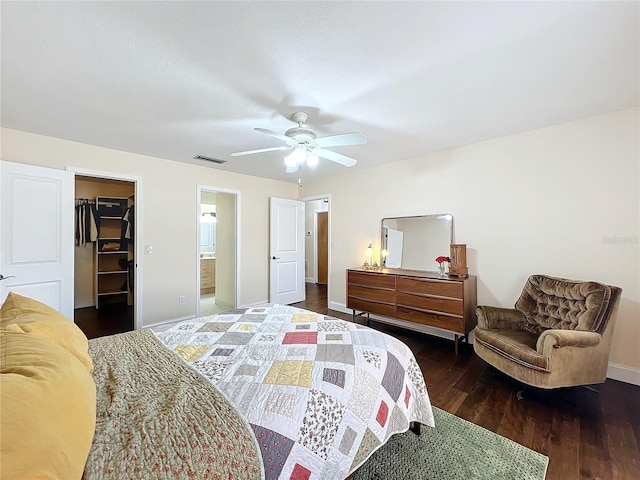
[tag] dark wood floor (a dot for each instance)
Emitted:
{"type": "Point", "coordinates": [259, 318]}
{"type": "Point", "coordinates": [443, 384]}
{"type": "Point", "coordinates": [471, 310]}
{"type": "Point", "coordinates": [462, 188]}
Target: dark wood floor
{"type": "Point", "coordinates": [585, 434]}
{"type": "Point", "coordinates": [107, 320]}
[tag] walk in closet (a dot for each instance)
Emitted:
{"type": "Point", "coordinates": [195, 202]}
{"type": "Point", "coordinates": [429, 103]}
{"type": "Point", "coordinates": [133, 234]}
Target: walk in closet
{"type": "Point", "coordinates": [104, 255]}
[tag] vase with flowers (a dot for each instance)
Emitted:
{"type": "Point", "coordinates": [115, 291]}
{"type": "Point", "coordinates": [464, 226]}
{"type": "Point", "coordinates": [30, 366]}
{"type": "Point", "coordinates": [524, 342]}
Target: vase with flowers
{"type": "Point", "coordinates": [441, 265]}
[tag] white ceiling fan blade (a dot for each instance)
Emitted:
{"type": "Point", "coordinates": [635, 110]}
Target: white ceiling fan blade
{"type": "Point", "coordinates": [355, 138]}
{"type": "Point", "coordinates": [284, 138]}
{"type": "Point", "coordinates": [335, 157]}
{"type": "Point", "coordinates": [249, 152]}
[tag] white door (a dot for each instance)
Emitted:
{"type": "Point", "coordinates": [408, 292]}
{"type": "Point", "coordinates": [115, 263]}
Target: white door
{"type": "Point", "coordinates": [286, 251]}
{"type": "Point", "coordinates": [37, 234]}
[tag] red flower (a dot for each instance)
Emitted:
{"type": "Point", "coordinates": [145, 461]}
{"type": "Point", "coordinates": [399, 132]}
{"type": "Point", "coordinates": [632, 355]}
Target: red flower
{"type": "Point", "coordinates": [441, 259]}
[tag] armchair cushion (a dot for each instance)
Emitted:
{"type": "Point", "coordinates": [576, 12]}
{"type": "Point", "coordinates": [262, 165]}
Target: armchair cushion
{"type": "Point", "coordinates": [558, 303]}
{"type": "Point", "coordinates": [515, 345]}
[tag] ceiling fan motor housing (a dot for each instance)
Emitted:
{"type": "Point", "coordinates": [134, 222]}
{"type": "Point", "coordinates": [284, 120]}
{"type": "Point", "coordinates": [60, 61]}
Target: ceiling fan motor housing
{"type": "Point", "coordinates": [301, 135]}
{"type": "Point", "coordinates": [299, 117]}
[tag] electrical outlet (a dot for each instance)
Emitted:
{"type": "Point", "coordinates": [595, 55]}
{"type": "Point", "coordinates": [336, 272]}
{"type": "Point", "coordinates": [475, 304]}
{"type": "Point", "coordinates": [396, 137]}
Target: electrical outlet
{"type": "Point", "coordinates": [148, 249]}
{"type": "Point", "coordinates": [182, 300]}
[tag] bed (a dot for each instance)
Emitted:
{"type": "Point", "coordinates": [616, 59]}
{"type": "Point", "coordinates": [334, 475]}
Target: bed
{"type": "Point", "coordinates": [265, 392]}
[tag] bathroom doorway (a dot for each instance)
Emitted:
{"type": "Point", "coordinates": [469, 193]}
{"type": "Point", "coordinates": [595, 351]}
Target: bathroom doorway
{"type": "Point", "coordinates": [218, 246]}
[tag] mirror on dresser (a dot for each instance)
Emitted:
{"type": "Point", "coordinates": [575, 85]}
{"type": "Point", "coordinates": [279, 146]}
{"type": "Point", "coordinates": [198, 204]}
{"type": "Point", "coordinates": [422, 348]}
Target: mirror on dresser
{"type": "Point", "coordinates": [407, 292]}
{"type": "Point", "coordinates": [414, 242]}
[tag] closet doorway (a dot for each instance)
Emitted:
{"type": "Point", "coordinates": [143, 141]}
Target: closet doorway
{"type": "Point", "coordinates": [218, 214]}
{"type": "Point", "coordinates": [105, 286]}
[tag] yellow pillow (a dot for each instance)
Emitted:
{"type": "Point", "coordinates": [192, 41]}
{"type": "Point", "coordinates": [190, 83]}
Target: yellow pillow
{"type": "Point", "coordinates": [47, 409]}
{"type": "Point", "coordinates": [36, 318]}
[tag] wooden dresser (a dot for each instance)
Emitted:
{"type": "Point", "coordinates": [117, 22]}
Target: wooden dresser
{"type": "Point", "coordinates": [413, 299]}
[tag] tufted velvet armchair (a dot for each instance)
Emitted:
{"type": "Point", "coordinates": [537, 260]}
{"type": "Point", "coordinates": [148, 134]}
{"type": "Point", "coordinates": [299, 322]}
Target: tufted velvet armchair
{"type": "Point", "coordinates": [558, 334]}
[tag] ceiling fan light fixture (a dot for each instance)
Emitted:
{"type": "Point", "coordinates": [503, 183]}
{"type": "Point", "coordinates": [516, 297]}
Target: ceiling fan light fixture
{"type": "Point", "coordinates": [312, 160]}
{"type": "Point", "coordinates": [290, 160]}
{"type": "Point", "coordinates": [296, 157]}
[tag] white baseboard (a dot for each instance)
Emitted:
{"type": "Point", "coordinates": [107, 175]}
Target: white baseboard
{"type": "Point", "coordinates": [615, 371]}
{"type": "Point", "coordinates": [623, 373]}
{"type": "Point", "coordinates": [309, 280]}
{"type": "Point", "coordinates": [224, 305]}
{"type": "Point", "coordinates": [84, 305]}
{"type": "Point", "coordinates": [172, 320]}
{"type": "Point", "coordinates": [340, 307]}
{"type": "Point", "coordinates": [255, 304]}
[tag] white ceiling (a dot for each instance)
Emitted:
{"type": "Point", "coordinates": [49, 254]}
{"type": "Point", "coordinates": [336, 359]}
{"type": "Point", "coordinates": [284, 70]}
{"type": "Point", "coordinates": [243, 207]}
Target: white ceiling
{"type": "Point", "coordinates": [178, 79]}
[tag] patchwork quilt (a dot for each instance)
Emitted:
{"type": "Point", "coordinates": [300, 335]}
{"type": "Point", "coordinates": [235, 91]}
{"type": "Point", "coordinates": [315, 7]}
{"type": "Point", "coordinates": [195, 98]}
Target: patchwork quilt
{"type": "Point", "coordinates": [321, 394]}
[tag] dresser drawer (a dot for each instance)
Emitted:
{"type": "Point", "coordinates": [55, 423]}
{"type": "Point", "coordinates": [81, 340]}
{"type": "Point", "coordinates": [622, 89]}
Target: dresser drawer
{"type": "Point", "coordinates": [206, 281]}
{"type": "Point", "coordinates": [414, 299]}
{"type": "Point", "coordinates": [375, 294]}
{"type": "Point", "coordinates": [453, 306]}
{"type": "Point", "coordinates": [371, 280]}
{"type": "Point", "coordinates": [206, 275]}
{"type": "Point", "coordinates": [442, 288]}
{"type": "Point", "coordinates": [453, 324]}
{"type": "Point", "coordinates": [384, 309]}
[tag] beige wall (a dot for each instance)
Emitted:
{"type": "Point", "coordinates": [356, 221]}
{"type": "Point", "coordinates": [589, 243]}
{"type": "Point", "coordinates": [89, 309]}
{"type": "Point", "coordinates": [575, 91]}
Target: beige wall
{"type": "Point", "coordinates": [168, 212]}
{"type": "Point", "coordinates": [225, 250]}
{"type": "Point", "coordinates": [209, 198]}
{"type": "Point", "coordinates": [561, 200]}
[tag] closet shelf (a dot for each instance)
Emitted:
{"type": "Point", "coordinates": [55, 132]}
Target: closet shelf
{"type": "Point", "coordinates": [113, 292]}
{"type": "Point", "coordinates": [113, 252]}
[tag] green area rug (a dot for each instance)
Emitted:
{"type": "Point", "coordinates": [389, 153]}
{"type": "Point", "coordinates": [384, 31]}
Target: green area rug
{"type": "Point", "coordinates": [454, 449]}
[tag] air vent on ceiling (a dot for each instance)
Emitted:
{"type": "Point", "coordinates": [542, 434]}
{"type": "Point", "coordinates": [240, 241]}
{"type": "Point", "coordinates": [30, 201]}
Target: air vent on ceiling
{"type": "Point", "coordinates": [210, 159]}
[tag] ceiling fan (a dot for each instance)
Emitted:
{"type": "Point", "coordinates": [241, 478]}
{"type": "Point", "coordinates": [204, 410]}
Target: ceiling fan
{"type": "Point", "coordinates": [307, 147]}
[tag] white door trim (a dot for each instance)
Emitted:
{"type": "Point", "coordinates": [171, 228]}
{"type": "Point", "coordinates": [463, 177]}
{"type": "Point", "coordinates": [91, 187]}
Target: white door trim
{"type": "Point", "coordinates": [137, 190]}
{"type": "Point", "coordinates": [330, 245]}
{"type": "Point", "coordinates": [237, 193]}
{"type": "Point", "coordinates": [315, 246]}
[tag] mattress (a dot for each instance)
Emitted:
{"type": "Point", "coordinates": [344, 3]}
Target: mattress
{"type": "Point", "coordinates": [320, 394]}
